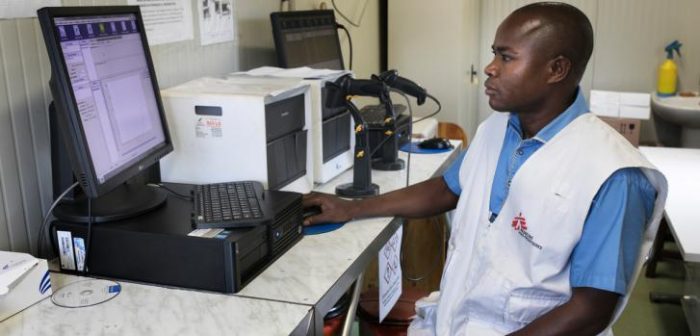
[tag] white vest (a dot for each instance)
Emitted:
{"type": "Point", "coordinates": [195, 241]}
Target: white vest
{"type": "Point", "coordinates": [501, 276]}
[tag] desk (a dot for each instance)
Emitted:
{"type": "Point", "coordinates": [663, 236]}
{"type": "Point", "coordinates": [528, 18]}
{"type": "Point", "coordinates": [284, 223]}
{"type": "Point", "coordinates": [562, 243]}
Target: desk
{"type": "Point", "coordinates": [153, 310]}
{"type": "Point", "coordinates": [290, 296]}
{"type": "Point", "coordinates": [681, 166]}
{"type": "Point", "coordinates": [319, 269]}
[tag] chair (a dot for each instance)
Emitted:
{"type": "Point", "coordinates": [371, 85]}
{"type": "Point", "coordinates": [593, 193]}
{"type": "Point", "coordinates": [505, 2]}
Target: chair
{"type": "Point", "coordinates": [452, 131]}
{"type": "Point", "coordinates": [657, 254]}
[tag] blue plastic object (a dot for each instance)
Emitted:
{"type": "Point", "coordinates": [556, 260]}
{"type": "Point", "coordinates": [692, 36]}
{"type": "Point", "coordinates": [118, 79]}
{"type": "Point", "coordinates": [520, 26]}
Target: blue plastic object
{"type": "Point", "coordinates": [322, 228]}
{"type": "Point", "coordinates": [412, 147]}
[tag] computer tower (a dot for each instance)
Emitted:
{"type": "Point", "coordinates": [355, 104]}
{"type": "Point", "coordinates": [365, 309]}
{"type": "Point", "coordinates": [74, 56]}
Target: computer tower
{"type": "Point", "coordinates": [230, 131]}
{"type": "Point", "coordinates": [161, 246]}
{"type": "Point", "coordinates": [331, 128]}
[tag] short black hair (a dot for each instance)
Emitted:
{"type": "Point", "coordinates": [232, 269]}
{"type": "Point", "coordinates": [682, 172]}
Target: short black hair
{"type": "Point", "coordinates": [571, 33]}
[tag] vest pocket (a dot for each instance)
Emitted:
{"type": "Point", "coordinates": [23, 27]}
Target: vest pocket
{"type": "Point", "coordinates": [525, 308]}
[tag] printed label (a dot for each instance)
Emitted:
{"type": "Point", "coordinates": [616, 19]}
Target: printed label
{"type": "Point", "coordinates": [65, 250]}
{"type": "Point", "coordinates": [209, 127]}
{"type": "Point", "coordinates": [205, 233]}
{"type": "Point", "coordinates": [390, 274]}
{"type": "Point", "coordinates": [79, 245]}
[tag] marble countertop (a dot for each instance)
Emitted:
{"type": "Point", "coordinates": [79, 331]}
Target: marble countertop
{"type": "Point", "coordinates": [283, 299]}
{"type": "Point", "coordinates": [313, 266]}
{"type": "Point", "coordinates": [153, 310]}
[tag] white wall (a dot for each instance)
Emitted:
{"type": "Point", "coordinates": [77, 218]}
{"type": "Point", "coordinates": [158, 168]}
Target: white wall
{"type": "Point", "coordinates": [25, 173]}
{"type": "Point", "coordinates": [630, 36]}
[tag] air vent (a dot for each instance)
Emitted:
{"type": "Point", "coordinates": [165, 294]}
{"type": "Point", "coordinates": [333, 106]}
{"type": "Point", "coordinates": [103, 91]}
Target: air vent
{"type": "Point", "coordinates": [83, 180]}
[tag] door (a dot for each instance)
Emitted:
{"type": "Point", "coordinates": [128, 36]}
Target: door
{"type": "Point", "coordinates": [435, 44]}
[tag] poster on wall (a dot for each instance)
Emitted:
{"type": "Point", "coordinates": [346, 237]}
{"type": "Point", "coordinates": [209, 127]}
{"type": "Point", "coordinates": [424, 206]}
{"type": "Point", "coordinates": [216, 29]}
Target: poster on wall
{"type": "Point", "coordinates": [216, 22]}
{"type": "Point", "coordinates": [12, 9]}
{"type": "Point", "coordinates": [166, 21]}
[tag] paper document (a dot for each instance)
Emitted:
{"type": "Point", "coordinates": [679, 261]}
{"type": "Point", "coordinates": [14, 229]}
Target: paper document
{"type": "Point", "coordinates": [209, 85]}
{"type": "Point", "coordinates": [216, 21]}
{"type": "Point", "coordinates": [166, 21]}
{"type": "Point", "coordinates": [12, 266]}
{"type": "Point", "coordinates": [300, 72]}
{"type": "Point", "coordinates": [390, 274]}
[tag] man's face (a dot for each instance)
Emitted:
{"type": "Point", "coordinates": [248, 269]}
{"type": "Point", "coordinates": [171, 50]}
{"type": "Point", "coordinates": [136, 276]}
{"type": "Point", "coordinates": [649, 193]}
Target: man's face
{"type": "Point", "coordinates": [518, 73]}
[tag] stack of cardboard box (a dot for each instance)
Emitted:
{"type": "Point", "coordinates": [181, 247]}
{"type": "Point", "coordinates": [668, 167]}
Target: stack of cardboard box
{"type": "Point", "coordinates": [623, 111]}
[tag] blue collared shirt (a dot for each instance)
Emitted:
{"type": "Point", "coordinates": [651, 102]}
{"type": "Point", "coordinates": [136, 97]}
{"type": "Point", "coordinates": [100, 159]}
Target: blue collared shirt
{"type": "Point", "coordinates": [606, 254]}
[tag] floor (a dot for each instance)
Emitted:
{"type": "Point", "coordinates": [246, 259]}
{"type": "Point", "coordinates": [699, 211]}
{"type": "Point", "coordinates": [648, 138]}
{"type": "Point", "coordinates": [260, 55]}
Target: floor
{"type": "Point", "coordinates": [644, 318]}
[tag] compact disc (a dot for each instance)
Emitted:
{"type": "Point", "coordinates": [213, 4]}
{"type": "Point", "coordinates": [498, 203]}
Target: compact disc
{"type": "Point", "coordinates": [85, 293]}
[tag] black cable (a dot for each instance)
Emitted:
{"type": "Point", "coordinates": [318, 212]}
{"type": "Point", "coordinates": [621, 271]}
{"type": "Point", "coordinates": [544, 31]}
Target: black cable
{"type": "Point", "coordinates": [410, 135]}
{"type": "Point", "coordinates": [42, 229]}
{"type": "Point", "coordinates": [434, 113]}
{"type": "Point", "coordinates": [357, 25]}
{"type": "Point", "coordinates": [173, 192]}
{"type": "Point", "coordinates": [347, 32]}
{"type": "Point", "coordinates": [408, 169]}
{"type": "Point", "coordinates": [89, 236]}
{"type": "Point", "coordinates": [380, 144]}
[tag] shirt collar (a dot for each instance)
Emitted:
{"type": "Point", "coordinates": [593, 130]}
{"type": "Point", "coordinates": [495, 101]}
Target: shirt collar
{"type": "Point", "coordinates": [577, 108]}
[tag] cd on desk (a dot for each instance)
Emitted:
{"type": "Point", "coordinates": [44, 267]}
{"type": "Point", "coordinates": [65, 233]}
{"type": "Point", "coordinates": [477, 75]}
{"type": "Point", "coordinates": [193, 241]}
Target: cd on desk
{"type": "Point", "coordinates": [85, 293]}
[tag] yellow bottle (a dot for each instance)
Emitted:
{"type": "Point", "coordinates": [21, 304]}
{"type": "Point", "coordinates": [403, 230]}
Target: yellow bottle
{"type": "Point", "coordinates": [668, 72]}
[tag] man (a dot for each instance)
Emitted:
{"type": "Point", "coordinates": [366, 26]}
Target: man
{"type": "Point", "coordinates": [551, 204]}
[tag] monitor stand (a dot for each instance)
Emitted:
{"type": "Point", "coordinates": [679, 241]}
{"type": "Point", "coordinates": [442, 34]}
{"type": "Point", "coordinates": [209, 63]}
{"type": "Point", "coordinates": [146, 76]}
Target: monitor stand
{"type": "Point", "coordinates": [127, 200]}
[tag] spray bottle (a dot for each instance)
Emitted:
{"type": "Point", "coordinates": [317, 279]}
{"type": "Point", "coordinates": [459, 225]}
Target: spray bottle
{"type": "Point", "coordinates": [668, 71]}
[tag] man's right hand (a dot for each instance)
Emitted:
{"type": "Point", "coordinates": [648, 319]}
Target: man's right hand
{"type": "Point", "coordinates": [424, 199]}
{"type": "Point", "coordinates": [333, 208]}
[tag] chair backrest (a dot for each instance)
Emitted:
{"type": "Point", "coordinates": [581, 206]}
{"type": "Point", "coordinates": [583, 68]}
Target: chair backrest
{"type": "Point", "coordinates": [452, 131]}
{"type": "Point", "coordinates": [645, 248]}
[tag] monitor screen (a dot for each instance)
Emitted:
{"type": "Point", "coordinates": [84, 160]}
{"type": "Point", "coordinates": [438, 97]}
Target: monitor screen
{"type": "Point", "coordinates": [307, 38]}
{"type": "Point", "coordinates": [104, 84]}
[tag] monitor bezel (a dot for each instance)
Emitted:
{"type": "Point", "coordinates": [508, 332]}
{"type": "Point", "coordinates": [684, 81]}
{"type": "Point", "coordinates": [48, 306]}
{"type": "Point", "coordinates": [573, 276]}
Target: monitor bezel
{"type": "Point", "coordinates": [66, 104]}
{"type": "Point", "coordinates": [280, 46]}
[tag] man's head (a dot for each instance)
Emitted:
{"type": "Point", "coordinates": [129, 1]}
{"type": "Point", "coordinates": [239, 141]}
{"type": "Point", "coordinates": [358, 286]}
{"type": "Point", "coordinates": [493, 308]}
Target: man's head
{"type": "Point", "coordinates": [540, 52]}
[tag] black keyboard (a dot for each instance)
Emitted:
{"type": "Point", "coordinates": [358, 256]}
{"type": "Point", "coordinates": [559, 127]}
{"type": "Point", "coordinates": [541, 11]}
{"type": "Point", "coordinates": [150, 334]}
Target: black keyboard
{"type": "Point", "coordinates": [227, 205]}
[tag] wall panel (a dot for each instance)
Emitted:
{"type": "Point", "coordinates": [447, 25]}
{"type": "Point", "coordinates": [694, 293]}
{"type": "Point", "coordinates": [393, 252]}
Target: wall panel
{"type": "Point", "coordinates": [25, 165]}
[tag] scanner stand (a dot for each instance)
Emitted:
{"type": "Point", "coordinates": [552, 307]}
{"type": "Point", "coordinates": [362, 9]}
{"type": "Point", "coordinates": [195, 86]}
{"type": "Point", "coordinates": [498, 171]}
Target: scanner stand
{"type": "Point", "coordinates": [361, 185]}
{"type": "Point", "coordinates": [389, 160]}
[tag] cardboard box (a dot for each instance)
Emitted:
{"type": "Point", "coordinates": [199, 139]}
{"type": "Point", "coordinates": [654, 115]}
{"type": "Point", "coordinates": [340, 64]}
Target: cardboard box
{"type": "Point", "coordinates": [628, 127]}
{"type": "Point", "coordinates": [621, 104]}
{"type": "Point", "coordinates": [26, 281]}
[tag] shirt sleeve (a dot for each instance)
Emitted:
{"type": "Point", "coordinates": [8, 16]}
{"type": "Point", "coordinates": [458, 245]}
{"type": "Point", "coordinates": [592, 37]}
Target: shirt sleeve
{"type": "Point", "coordinates": [451, 175]}
{"type": "Point", "coordinates": [607, 252]}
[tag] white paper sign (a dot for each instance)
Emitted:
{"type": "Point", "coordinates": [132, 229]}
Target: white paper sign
{"type": "Point", "coordinates": [390, 274]}
{"type": "Point", "coordinates": [166, 21]}
{"type": "Point", "coordinates": [10, 9]}
{"type": "Point", "coordinates": [216, 23]}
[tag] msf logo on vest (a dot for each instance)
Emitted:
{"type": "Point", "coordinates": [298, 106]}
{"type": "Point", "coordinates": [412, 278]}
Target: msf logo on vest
{"type": "Point", "coordinates": [519, 224]}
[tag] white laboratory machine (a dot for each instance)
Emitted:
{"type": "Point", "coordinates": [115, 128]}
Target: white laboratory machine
{"type": "Point", "coordinates": [226, 130]}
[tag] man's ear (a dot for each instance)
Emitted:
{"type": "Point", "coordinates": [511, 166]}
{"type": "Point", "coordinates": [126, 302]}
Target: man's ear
{"type": "Point", "coordinates": [559, 69]}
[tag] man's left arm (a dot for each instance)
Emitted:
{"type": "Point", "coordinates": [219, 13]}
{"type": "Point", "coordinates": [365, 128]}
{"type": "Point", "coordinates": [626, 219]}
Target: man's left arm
{"type": "Point", "coordinates": [604, 260]}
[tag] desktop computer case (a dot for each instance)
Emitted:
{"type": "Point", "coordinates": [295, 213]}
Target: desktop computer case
{"type": "Point", "coordinates": [161, 246]}
{"type": "Point", "coordinates": [227, 131]}
{"type": "Point", "coordinates": [331, 128]}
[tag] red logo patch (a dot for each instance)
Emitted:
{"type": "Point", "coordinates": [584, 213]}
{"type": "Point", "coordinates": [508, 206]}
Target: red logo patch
{"type": "Point", "coordinates": [519, 223]}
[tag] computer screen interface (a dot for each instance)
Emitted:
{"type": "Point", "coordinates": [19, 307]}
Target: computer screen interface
{"type": "Point", "coordinates": [112, 87]}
